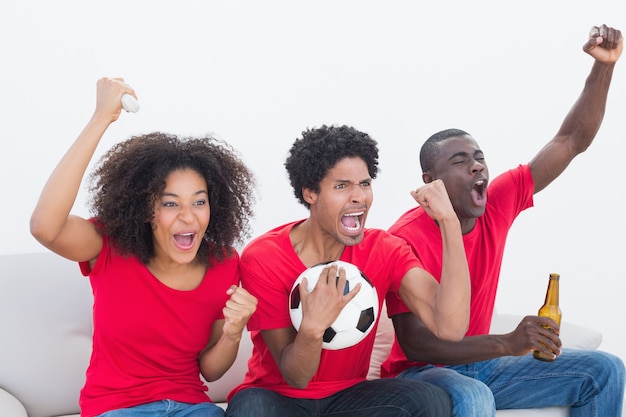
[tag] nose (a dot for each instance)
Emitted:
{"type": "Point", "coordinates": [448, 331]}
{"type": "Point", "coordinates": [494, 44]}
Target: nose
{"type": "Point", "coordinates": [477, 167]}
{"type": "Point", "coordinates": [185, 214]}
{"type": "Point", "coordinates": [358, 195]}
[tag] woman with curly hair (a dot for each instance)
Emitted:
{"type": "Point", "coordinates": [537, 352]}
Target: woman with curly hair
{"type": "Point", "coordinates": [159, 254]}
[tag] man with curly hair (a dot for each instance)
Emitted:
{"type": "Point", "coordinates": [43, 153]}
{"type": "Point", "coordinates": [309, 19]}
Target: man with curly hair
{"type": "Point", "coordinates": [290, 374]}
{"type": "Point", "coordinates": [160, 258]}
{"type": "Point", "coordinates": [486, 372]}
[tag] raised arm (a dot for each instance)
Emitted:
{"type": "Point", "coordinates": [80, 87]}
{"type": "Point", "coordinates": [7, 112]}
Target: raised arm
{"type": "Point", "coordinates": [444, 307]}
{"type": "Point", "coordinates": [583, 121]}
{"type": "Point", "coordinates": [51, 223]}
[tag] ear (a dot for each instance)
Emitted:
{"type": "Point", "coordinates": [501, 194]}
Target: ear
{"type": "Point", "coordinates": [309, 195]}
{"type": "Point", "coordinates": [427, 178]}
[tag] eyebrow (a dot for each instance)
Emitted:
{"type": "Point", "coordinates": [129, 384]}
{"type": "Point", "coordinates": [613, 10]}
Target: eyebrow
{"type": "Point", "coordinates": [456, 154]}
{"type": "Point", "coordinates": [463, 153]}
{"type": "Point", "coordinates": [368, 179]}
{"type": "Point", "coordinates": [169, 194]}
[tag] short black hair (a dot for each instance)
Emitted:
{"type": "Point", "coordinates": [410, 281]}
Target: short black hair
{"type": "Point", "coordinates": [430, 148]}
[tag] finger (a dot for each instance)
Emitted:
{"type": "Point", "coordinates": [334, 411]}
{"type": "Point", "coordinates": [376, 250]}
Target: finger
{"type": "Point", "coordinates": [328, 276]}
{"type": "Point", "coordinates": [333, 275]}
{"type": "Point", "coordinates": [549, 324]}
{"type": "Point", "coordinates": [349, 296]}
{"type": "Point", "coordinates": [303, 287]}
{"type": "Point", "coordinates": [342, 281]}
{"type": "Point", "coordinates": [612, 39]}
{"type": "Point", "coordinates": [238, 311]}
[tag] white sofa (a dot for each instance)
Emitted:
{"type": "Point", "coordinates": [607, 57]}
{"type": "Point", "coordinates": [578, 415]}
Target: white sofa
{"type": "Point", "coordinates": [45, 322]}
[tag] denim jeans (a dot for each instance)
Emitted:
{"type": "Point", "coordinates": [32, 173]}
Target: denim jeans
{"type": "Point", "coordinates": [378, 398]}
{"type": "Point", "coordinates": [591, 382]}
{"type": "Point", "coordinates": [167, 408]}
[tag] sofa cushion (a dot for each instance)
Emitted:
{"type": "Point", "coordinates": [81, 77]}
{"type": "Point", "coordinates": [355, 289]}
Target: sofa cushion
{"type": "Point", "coordinates": [10, 406]}
{"type": "Point", "coordinates": [382, 345]}
{"type": "Point", "coordinates": [45, 308]}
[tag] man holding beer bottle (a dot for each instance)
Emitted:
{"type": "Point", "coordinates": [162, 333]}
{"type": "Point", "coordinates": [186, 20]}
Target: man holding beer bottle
{"type": "Point", "coordinates": [486, 372]}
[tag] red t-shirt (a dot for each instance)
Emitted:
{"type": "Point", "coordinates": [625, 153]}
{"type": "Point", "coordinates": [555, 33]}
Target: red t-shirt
{"type": "Point", "coordinates": [147, 336]}
{"type": "Point", "coordinates": [508, 195]}
{"type": "Point", "coordinates": [270, 266]}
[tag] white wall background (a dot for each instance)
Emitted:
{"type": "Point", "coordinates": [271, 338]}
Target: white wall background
{"type": "Point", "coordinates": [258, 73]}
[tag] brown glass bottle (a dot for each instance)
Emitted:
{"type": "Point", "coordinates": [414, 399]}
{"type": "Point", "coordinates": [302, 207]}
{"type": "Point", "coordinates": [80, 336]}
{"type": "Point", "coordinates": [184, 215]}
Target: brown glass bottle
{"type": "Point", "coordinates": [550, 308]}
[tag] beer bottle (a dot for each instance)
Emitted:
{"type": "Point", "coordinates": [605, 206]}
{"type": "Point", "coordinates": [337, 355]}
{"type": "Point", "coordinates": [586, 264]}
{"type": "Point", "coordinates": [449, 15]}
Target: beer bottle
{"type": "Point", "coordinates": [550, 308]}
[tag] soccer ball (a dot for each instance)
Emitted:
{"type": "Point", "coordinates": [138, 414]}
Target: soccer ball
{"type": "Point", "coordinates": [357, 318]}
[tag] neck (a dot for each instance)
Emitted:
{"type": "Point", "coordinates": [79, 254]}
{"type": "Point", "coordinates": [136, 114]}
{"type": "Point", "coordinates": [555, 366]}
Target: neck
{"type": "Point", "coordinates": [467, 225]}
{"type": "Point", "coordinates": [312, 249]}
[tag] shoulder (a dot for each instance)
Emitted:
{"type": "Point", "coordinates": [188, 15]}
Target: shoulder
{"type": "Point", "coordinates": [273, 240]}
{"type": "Point", "coordinates": [230, 256]}
{"type": "Point", "coordinates": [511, 192]}
{"type": "Point", "coordinates": [520, 177]}
{"type": "Point", "coordinates": [414, 215]}
{"type": "Point", "coordinates": [381, 241]}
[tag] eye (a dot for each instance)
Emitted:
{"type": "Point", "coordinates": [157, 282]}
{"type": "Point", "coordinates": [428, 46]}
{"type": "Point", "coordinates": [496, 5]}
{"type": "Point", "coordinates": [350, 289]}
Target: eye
{"type": "Point", "coordinates": [168, 204]}
{"type": "Point", "coordinates": [340, 186]}
{"type": "Point", "coordinates": [366, 183]}
{"type": "Point", "coordinates": [200, 203]}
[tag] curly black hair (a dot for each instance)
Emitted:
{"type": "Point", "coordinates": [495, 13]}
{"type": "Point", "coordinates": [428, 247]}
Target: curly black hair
{"type": "Point", "coordinates": [130, 177]}
{"type": "Point", "coordinates": [319, 149]}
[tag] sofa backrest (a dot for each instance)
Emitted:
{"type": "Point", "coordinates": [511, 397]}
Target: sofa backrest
{"type": "Point", "coordinates": [45, 322]}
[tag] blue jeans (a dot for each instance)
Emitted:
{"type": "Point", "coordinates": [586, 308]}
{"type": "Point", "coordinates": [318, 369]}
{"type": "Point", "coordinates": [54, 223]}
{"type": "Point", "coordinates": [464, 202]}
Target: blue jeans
{"type": "Point", "coordinates": [378, 398]}
{"type": "Point", "coordinates": [591, 382]}
{"type": "Point", "coordinates": [167, 408]}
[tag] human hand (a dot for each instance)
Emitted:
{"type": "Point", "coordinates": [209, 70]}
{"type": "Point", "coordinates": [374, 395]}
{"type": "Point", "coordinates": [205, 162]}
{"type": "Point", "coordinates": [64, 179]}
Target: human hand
{"type": "Point", "coordinates": [322, 305]}
{"type": "Point", "coordinates": [434, 199]}
{"type": "Point", "coordinates": [534, 333]}
{"type": "Point", "coordinates": [238, 310]}
{"type": "Point", "coordinates": [108, 98]}
{"type": "Point", "coordinates": [605, 44]}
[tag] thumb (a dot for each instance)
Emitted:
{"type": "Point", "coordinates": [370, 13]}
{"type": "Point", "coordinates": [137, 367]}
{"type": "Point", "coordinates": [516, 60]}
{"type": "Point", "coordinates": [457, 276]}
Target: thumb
{"type": "Point", "coordinates": [592, 43]}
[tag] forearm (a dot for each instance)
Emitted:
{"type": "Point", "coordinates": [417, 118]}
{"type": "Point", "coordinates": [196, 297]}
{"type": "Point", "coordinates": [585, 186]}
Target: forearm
{"type": "Point", "coordinates": [584, 119]}
{"type": "Point", "coordinates": [300, 360]}
{"type": "Point", "coordinates": [420, 344]}
{"type": "Point", "coordinates": [216, 360]}
{"type": "Point", "coordinates": [451, 312]}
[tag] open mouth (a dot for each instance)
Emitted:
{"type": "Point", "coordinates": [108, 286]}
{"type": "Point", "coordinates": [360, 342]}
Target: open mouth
{"type": "Point", "coordinates": [478, 192]}
{"type": "Point", "coordinates": [352, 221]}
{"type": "Point", "coordinates": [184, 240]}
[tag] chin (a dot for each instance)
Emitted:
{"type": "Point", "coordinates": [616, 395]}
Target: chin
{"type": "Point", "coordinates": [478, 212]}
{"type": "Point", "coordinates": [185, 257]}
{"type": "Point", "coordinates": [353, 240]}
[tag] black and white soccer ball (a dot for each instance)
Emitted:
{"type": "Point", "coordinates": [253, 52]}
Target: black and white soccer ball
{"type": "Point", "coordinates": [357, 318]}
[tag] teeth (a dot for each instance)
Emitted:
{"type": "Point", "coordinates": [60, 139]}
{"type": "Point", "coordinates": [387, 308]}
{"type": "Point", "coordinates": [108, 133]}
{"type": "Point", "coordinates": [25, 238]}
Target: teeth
{"type": "Point", "coordinates": [354, 214]}
{"type": "Point", "coordinates": [357, 220]}
{"type": "Point", "coordinates": [480, 182]}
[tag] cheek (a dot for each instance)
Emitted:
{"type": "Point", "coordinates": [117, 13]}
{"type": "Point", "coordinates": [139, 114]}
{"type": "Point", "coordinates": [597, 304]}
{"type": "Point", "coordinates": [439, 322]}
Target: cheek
{"type": "Point", "coordinates": [205, 217]}
{"type": "Point", "coordinates": [162, 220]}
